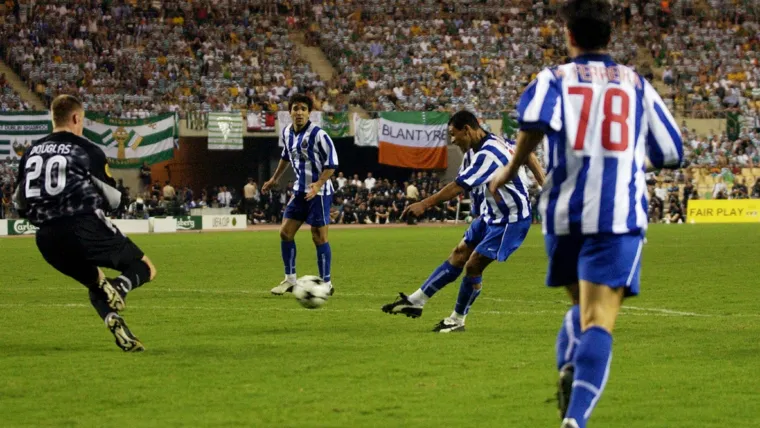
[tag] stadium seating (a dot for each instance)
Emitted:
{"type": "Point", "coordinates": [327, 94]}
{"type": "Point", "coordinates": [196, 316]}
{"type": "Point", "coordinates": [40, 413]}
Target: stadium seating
{"type": "Point", "coordinates": [157, 56]}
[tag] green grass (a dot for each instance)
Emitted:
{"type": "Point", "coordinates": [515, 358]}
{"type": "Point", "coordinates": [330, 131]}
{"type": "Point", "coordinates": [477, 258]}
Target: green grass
{"type": "Point", "coordinates": [221, 351]}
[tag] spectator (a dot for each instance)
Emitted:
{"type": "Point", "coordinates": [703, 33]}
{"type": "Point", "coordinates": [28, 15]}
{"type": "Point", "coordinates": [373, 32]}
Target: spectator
{"type": "Point", "coordinates": [251, 197]}
{"type": "Point", "coordinates": [341, 180]}
{"type": "Point", "coordinates": [382, 216]}
{"type": "Point", "coordinates": [145, 176]}
{"type": "Point", "coordinates": [756, 189]}
{"type": "Point", "coordinates": [739, 190]}
{"type": "Point", "coordinates": [356, 182]}
{"type": "Point", "coordinates": [720, 191]}
{"type": "Point", "coordinates": [369, 182]}
{"type": "Point", "coordinates": [168, 192]}
{"type": "Point", "coordinates": [224, 198]}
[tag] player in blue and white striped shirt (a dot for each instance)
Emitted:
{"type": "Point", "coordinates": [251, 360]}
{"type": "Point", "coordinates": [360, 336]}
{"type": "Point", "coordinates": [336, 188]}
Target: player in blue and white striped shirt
{"type": "Point", "coordinates": [312, 153]}
{"type": "Point", "coordinates": [601, 121]}
{"type": "Point", "coordinates": [495, 234]}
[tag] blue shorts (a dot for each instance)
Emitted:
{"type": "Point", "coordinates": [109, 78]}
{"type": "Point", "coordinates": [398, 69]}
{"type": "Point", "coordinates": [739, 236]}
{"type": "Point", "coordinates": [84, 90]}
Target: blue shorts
{"type": "Point", "coordinates": [315, 212]}
{"type": "Point", "coordinates": [612, 260]}
{"type": "Point", "coordinates": [497, 242]}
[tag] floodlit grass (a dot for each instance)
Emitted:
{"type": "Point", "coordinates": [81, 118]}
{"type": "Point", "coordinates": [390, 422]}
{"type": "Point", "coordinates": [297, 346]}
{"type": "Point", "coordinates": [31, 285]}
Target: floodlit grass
{"type": "Point", "coordinates": [221, 351]}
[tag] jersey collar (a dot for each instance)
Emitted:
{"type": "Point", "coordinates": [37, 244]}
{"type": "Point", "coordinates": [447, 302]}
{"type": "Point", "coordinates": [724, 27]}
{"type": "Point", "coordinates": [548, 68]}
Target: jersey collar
{"type": "Point", "coordinates": [305, 127]}
{"type": "Point", "coordinates": [584, 58]}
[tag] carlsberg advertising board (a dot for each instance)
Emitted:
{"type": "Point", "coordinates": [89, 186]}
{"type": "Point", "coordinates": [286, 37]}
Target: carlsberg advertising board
{"type": "Point", "coordinates": [21, 227]}
{"type": "Point", "coordinates": [190, 222]}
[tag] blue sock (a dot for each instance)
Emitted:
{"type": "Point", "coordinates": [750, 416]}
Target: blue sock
{"type": "Point", "coordinates": [568, 337]}
{"type": "Point", "coordinates": [467, 294]}
{"type": "Point", "coordinates": [592, 366]}
{"type": "Point", "coordinates": [324, 259]}
{"type": "Point", "coordinates": [288, 249]}
{"type": "Point", "coordinates": [441, 276]}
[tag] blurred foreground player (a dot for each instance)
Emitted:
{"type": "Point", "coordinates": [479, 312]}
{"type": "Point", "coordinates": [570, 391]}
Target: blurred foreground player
{"type": "Point", "coordinates": [601, 121]}
{"type": "Point", "coordinates": [64, 184]}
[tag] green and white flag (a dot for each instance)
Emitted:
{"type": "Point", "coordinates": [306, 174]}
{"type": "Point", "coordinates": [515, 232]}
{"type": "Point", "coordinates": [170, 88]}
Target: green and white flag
{"type": "Point", "coordinates": [509, 126]}
{"type": "Point", "coordinates": [129, 142]}
{"type": "Point", "coordinates": [225, 131]}
{"type": "Point", "coordinates": [335, 124]}
{"type": "Point", "coordinates": [18, 130]}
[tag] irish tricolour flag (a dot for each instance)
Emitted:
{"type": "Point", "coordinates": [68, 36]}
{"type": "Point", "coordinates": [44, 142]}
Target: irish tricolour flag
{"type": "Point", "coordinates": [413, 139]}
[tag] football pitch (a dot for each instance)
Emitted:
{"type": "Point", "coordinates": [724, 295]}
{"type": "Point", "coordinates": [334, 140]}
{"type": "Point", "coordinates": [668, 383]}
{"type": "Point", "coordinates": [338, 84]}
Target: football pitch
{"type": "Point", "coordinates": [222, 351]}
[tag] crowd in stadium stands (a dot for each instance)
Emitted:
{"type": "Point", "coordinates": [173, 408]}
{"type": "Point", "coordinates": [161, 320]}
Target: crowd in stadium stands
{"type": "Point", "coordinates": [10, 100]}
{"type": "Point", "coordinates": [709, 60]}
{"type": "Point", "coordinates": [137, 58]}
{"type": "Point", "coordinates": [432, 55]}
{"type": "Point", "coordinates": [8, 174]}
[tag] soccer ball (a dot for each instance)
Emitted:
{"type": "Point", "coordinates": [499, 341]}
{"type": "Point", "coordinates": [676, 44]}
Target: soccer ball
{"type": "Point", "coordinates": [311, 291]}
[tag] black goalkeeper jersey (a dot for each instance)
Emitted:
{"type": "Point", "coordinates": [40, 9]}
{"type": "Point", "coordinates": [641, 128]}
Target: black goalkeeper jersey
{"type": "Point", "coordinates": [64, 175]}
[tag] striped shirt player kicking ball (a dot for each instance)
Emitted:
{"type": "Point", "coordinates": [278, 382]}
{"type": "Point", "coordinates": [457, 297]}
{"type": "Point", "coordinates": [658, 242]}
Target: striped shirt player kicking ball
{"type": "Point", "coordinates": [312, 153]}
{"type": "Point", "coordinates": [495, 234]}
{"type": "Point", "coordinates": [601, 121]}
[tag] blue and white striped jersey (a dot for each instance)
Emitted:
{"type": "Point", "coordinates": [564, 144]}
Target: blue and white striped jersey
{"type": "Point", "coordinates": [601, 120]}
{"type": "Point", "coordinates": [309, 151]}
{"type": "Point", "coordinates": [478, 167]}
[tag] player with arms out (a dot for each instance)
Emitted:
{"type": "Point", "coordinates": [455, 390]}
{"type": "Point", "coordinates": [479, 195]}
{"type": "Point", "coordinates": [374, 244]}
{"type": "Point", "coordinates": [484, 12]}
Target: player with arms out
{"type": "Point", "coordinates": [312, 153]}
{"type": "Point", "coordinates": [494, 235]}
{"type": "Point", "coordinates": [601, 121]}
{"type": "Point", "coordinates": [63, 186]}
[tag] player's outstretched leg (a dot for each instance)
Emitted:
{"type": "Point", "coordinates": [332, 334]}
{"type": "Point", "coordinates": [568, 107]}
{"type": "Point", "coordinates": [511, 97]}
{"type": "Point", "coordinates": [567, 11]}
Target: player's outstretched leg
{"type": "Point", "coordinates": [568, 339]}
{"type": "Point", "coordinates": [446, 273]}
{"type": "Point", "coordinates": [324, 255]}
{"type": "Point", "coordinates": [593, 356]}
{"type": "Point", "coordinates": [288, 249]}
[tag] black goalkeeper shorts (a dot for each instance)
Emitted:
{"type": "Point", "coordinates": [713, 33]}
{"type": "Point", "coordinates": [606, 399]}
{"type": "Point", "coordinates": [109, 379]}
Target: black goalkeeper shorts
{"type": "Point", "coordinates": [77, 246]}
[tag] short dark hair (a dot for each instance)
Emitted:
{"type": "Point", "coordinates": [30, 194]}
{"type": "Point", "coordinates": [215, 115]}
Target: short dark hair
{"type": "Point", "coordinates": [462, 118]}
{"type": "Point", "coordinates": [63, 107]}
{"type": "Point", "coordinates": [301, 98]}
{"type": "Point", "coordinates": [589, 21]}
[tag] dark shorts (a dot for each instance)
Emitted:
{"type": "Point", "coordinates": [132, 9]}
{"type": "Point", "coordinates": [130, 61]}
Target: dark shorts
{"type": "Point", "coordinates": [77, 246]}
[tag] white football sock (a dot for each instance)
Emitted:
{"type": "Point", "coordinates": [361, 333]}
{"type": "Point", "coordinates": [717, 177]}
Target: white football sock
{"type": "Point", "coordinates": [418, 298]}
{"type": "Point", "coordinates": [459, 319]}
{"type": "Point", "coordinates": [291, 278]}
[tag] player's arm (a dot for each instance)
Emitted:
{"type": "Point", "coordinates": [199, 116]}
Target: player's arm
{"type": "Point", "coordinates": [100, 175]}
{"type": "Point", "coordinates": [664, 144]}
{"type": "Point", "coordinates": [281, 167]}
{"type": "Point", "coordinates": [526, 144]}
{"type": "Point", "coordinates": [535, 168]}
{"type": "Point", "coordinates": [19, 196]}
{"type": "Point", "coordinates": [538, 116]}
{"type": "Point", "coordinates": [482, 167]}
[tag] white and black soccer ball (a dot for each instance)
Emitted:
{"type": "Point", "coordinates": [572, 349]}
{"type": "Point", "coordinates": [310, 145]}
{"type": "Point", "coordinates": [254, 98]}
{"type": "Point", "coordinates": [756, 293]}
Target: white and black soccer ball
{"type": "Point", "coordinates": [311, 292]}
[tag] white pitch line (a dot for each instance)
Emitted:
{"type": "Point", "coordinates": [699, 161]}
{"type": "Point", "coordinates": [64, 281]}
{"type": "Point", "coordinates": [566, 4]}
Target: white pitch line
{"type": "Point", "coordinates": [666, 311]}
{"type": "Point", "coordinates": [258, 292]}
{"type": "Point", "coordinates": [274, 309]}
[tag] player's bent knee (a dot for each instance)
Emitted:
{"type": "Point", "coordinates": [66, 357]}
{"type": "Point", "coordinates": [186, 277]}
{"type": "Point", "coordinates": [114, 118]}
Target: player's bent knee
{"type": "Point", "coordinates": [319, 235]}
{"type": "Point", "coordinates": [285, 235]}
{"type": "Point", "coordinates": [151, 267]}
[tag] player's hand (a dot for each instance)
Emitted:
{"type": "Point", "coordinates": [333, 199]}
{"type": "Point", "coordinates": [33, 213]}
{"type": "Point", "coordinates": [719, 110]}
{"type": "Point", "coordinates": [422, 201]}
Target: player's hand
{"type": "Point", "coordinates": [416, 209]}
{"type": "Point", "coordinates": [498, 180]}
{"type": "Point", "coordinates": [267, 185]}
{"type": "Point", "coordinates": [314, 189]}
